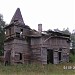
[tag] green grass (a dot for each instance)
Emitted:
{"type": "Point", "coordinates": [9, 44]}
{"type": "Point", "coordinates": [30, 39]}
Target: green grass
{"type": "Point", "coordinates": [37, 69]}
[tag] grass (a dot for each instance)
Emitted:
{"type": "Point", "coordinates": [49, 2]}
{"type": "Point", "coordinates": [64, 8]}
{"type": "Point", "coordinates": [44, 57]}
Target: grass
{"type": "Point", "coordinates": [37, 69]}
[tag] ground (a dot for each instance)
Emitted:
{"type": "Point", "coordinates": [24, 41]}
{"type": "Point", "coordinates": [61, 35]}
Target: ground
{"type": "Point", "coordinates": [37, 69]}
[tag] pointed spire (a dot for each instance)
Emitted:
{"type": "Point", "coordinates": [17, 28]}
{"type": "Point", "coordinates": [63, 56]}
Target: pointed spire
{"type": "Point", "coordinates": [17, 16]}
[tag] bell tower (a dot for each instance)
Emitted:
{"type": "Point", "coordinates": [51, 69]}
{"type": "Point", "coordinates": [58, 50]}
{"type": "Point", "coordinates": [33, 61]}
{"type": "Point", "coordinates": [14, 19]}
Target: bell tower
{"type": "Point", "coordinates": [16, 44]}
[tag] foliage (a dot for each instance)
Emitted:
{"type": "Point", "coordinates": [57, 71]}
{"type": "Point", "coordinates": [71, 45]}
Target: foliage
{"type": "Point", "coordinates": [2, 36]}
{"type": "Point", "coordinates": [72, 57]}
{"type": "Point", "coordinates": [66, 31]}
{"type": "Point", "coordinates": [57, 30]}
{"type": "Point", "coordinates": [73, 42]}
{"type": "Point", "coordinates": [72, 51]}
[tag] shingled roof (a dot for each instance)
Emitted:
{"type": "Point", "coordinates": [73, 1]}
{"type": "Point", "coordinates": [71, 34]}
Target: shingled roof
{"type": "Point", "coordinates": [17, 17]}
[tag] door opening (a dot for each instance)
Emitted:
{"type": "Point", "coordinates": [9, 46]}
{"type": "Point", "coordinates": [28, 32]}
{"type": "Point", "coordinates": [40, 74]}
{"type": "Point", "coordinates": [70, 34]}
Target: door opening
{"type": "Point", "coordinates": [59, 53]}
{"type": "Point", "coordinates": [49, 56]}
{"type": "Point", "coordinates": [7, 57]}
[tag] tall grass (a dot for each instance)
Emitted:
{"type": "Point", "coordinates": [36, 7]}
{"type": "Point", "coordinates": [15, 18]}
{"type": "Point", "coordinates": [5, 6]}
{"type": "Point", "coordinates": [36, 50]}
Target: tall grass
{"type": "Point", "coordinates": [36, 69]}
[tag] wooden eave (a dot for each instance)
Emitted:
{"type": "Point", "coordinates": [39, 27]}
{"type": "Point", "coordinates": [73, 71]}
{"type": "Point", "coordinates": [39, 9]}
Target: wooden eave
{"type": "Point", "coordinates": [24, 26]}
{"type": "Point", "coordinates": [12, 38]}
{"type": "Point", "coordinates": [35, 36]}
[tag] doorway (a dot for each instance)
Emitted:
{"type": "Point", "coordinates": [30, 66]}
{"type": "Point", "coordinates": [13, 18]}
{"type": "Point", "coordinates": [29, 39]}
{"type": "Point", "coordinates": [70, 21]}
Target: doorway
{"type": "Point", "coordinates": [49, 56]}
{"type": "Point", "coordinates": [59, 55]}
{"type": "Point", "coordinates": [7, 57]}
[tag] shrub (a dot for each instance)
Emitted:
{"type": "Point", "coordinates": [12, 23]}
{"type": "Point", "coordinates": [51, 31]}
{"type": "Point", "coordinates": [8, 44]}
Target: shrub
{"type": "Point", "coordinates": [72, 57]}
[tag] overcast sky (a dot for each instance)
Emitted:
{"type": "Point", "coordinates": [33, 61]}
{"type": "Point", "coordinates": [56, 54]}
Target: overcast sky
{"type": "Point", "coordinates": [51, 13]}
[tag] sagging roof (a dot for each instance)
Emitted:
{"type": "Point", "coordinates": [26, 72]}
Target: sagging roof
{"type": "Point", "coordinates": [48, 33]}
{"type": "Point", "coordinates": [58, 33]}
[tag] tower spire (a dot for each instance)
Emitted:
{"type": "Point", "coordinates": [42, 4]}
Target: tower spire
{"type": "Point", "coordinates": [17, 17]}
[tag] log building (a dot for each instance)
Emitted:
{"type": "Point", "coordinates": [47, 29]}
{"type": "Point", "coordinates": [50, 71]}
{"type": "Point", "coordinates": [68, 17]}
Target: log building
{"type": "Point", "coordinates": [24, 45]}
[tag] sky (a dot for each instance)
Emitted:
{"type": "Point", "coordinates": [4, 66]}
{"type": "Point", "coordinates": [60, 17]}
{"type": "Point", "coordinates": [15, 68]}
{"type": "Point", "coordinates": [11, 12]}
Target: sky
{"type": "Point", "coordinates": [52, 14]}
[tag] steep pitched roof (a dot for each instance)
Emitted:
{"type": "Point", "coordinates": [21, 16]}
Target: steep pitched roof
{"type": "Point", "coordinates": [17, 16]}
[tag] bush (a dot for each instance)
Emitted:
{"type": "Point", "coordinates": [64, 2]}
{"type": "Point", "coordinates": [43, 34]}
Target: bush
{"type": "Point", "coordinates": [72, 51]}
{"type": "Point", "coordinates": [72, 57]}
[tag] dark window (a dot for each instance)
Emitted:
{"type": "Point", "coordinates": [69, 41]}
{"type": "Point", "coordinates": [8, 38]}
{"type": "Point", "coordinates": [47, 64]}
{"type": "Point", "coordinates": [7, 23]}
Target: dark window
{"type": "Point", "coordinates": [21, 30]}
{"type": "Point", "coordinates": [60, 49]}
{"type": "Point", "coordinates": [17, 34]}
{"type": "Point", "coordinates": [15, 20]}
{"type": "Point", "coordinates": [20, 56]}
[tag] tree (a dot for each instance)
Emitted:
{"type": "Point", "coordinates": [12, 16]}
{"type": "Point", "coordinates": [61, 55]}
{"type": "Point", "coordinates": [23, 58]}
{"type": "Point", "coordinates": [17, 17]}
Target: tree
{"type": "Point", "coordinates": [57, 30]}
{"type": "Point", "coordinates": [73, 42]}
{"type": "Point", "coordinates": [66, 31]}
{"type": "Point", "coordinates": [2, 35]}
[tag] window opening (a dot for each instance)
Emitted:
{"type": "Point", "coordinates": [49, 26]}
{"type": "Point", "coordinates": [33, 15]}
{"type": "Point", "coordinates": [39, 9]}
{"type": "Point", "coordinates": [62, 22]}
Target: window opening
{"type": "Point", "coordinates": [20, 56]}
{"type": "Point", "coordinates": [21, 33]}
{"type": "Point", "coordinates": [17, 34]}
